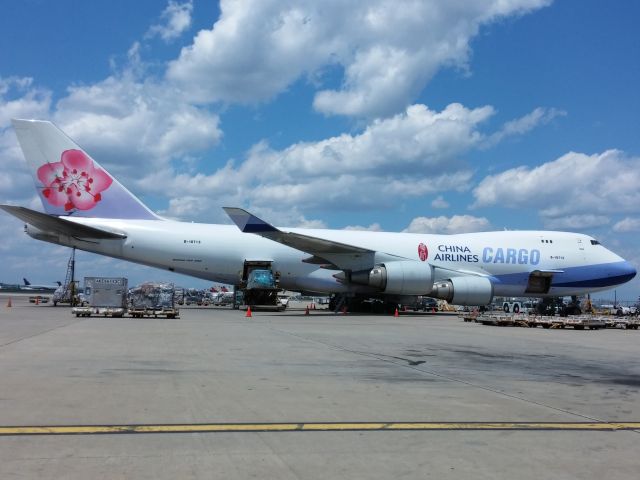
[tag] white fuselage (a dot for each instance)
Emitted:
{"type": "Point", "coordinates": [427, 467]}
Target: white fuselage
{"type": "Point", "coordinates": [218, 253]}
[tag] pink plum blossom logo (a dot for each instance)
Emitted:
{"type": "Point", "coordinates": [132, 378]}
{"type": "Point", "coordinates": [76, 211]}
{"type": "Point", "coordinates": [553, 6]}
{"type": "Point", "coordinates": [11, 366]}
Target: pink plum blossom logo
{"type": "Point", "coordinates": [423, 252]}
{"type": "Point", "coordinates": [74, 182]}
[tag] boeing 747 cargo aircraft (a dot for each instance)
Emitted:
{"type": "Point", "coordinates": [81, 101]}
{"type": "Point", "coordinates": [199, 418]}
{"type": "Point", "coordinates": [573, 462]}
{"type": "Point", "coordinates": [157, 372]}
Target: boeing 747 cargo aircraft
{"type": "Point", "coordinates": [85, 207]}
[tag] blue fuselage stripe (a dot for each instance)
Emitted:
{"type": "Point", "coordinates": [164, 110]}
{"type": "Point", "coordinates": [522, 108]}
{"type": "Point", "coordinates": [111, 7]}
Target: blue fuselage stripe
{"type": "Point", "coordinates": [588, 276]}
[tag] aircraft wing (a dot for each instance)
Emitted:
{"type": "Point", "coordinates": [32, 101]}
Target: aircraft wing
{"type": "Point", "coordinates": [59, 225]}
{"type": "Point", "coordinates": [327, 253]}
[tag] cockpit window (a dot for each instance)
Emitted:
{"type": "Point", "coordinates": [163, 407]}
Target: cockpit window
{"type": "Point", "coordinates": [595, 242]}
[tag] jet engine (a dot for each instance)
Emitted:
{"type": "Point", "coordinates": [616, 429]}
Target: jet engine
{"type": "Point", "coordinates": [401, 278]}
{"type": "Point", "coordinates": [464, 290]}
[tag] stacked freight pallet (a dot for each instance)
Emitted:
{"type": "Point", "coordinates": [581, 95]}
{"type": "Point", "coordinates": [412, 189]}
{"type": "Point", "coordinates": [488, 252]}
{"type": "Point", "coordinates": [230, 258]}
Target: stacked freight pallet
{"type": "Point", "coordinates": [153, 299]}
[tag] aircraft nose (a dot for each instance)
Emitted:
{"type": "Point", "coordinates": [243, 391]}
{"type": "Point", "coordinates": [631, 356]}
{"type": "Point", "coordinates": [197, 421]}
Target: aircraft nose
{"type": "Point", "coordinates": [626, 271]}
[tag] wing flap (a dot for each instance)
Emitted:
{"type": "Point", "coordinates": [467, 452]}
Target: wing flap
{"type": "Point", "coordinates": [59, 225]}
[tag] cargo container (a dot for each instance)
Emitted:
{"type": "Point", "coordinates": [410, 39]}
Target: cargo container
{"type": "Point", "coordinates": [106, 296]}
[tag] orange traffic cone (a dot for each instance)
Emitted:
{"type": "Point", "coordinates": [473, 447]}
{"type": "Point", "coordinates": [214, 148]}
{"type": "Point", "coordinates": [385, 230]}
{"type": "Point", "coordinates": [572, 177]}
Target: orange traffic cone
{"type": "Point", "coordinates": [396, 314]}
{"type": "Point", "coordinates": [9, 303]}
{"type": "Point", "coordinates": [248, 314]}
{"type": "Point", "coordinates": [344, 310]}
{"type": "Point", "coordinates": [306, 310]}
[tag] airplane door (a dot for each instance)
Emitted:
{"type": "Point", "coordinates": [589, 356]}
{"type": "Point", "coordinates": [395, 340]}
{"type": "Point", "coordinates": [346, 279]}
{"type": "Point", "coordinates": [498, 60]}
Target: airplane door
{"type": "Point", "coordinates": [539, 282]}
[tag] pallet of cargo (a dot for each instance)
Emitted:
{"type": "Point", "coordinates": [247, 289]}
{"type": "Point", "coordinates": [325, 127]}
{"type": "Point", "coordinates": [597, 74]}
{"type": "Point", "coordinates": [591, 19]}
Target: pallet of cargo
{"type": "Point", "coordinates": [496, 320]}
{"type": "Point", "coordinates": [523, 320]}
{"type": "Point", "coordinates": [622, 322]}
{"type": "Point", "coordinates": [469, 316]}
{"type": "Point", "coordinates": [581, 322]}
{"type": "Point", "coordinates": [98, 312]}
{"type": "Point", "coordinates": [153, 299]}
{"type": "Point", "coordinates": [155, 313]}
{"type": "Point", "coordinates": [545, 322]}
{"type": "Point", "coordinates": [578, 322]}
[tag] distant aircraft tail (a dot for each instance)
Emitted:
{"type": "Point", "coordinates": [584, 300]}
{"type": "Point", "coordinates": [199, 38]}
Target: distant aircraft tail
{"type": "Point", "coordinates": [26, 282]}
{"type": "Point", "coordinates": [69, 181]}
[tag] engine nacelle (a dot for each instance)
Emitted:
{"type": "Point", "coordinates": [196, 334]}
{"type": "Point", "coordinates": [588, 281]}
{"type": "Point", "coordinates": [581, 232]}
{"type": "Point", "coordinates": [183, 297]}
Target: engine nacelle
{"type": "Point", "coordinates": [400, 278]}
{"type": "Point", "coordinates": [464, 290]}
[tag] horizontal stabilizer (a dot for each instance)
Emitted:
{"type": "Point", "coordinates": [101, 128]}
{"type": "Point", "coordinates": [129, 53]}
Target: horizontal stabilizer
{"type": "Point", "coordinates": [59, 225]}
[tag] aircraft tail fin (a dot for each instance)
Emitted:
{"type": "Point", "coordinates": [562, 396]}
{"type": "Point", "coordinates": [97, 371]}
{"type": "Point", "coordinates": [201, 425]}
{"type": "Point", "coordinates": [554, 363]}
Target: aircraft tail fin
{"type": "Point", "coordinates": [26, 282]}
{"type": "Point", "coordinates": [69, 181]}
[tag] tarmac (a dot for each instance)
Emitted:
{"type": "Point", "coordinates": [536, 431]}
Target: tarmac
{"type": "Point", "coordinates": [215, 394]}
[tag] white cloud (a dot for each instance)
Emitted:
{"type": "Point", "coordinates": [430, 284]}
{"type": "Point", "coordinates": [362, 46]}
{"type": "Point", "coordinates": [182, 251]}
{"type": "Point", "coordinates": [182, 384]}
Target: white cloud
{"type": "Point", "coordinates": [177, 19]}
{"type": "Point", "coordinates": [124, 119]}
{"type": "Point", "coordinates": [130, 125]}
{"type": "Point", "coordinates": [416, 138]}
{"type": "Point", "coordinates": [439, 202]}
{"type": "Point", "coordinates": [387, 53]}
{"type": "Point", "coordinates": [374, 227]}
{"type": "Point", "coordinates": [448, 225]}
{"type": "Point", "coordinates": [627, 224]}
{"type": "Point", "coordinates": [187, 207]}
{"type": "Point", "coordinates": [138, 127]}
{"type": "Point", "coordinates": [405, 156]}
{"type": "Point", "coordinates": [524, 124]}
{"type": "Point", "coordinates": [412, 154]}
{"type": "Point", "coordinates": [18, 99]}
{"type": "Point", "coordinates": [576, 222]}
{"type": "Point", "coordinates": [574, 184]}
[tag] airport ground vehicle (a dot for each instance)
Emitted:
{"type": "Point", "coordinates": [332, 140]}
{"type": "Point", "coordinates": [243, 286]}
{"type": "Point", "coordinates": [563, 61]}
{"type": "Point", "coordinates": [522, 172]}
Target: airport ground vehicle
{"type": "Point", "coordinates": [38, 299]}
{"type": "Point", "coordinates": [519, 307]}
{"type": "Point", "coordinates": [67, 293]}
{"type": "Point", "coordinates": [426, 304]}
{"type": "Point", "coordinates": [284, 300]}
{"type": "Point", "coordinates": [260, 287]}
{"type": "Point", "coordinates": [103, 296]}
{"type": "Point", "coordinates": [514, 307]}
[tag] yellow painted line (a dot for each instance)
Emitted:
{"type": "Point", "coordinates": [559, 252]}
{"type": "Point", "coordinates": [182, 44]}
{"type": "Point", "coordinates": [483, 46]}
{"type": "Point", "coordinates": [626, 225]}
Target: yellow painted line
{"type": "Point", "coordinates": [515, 426]}
{"type": "Point", "coordinates": [308, 427]}
{"type": "Point", "coordinates": [344, 426]}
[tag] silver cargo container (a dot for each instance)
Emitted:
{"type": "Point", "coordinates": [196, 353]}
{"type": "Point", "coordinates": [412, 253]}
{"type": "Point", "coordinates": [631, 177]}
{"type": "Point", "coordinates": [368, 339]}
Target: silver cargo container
{"type": "Point", "coordinates": [106, 291]}
{"type": "Point", "coordinates": [105, 296]}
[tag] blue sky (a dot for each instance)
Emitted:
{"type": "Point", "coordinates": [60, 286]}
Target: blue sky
{"type": "Point", "coordinates": [429, 117]}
